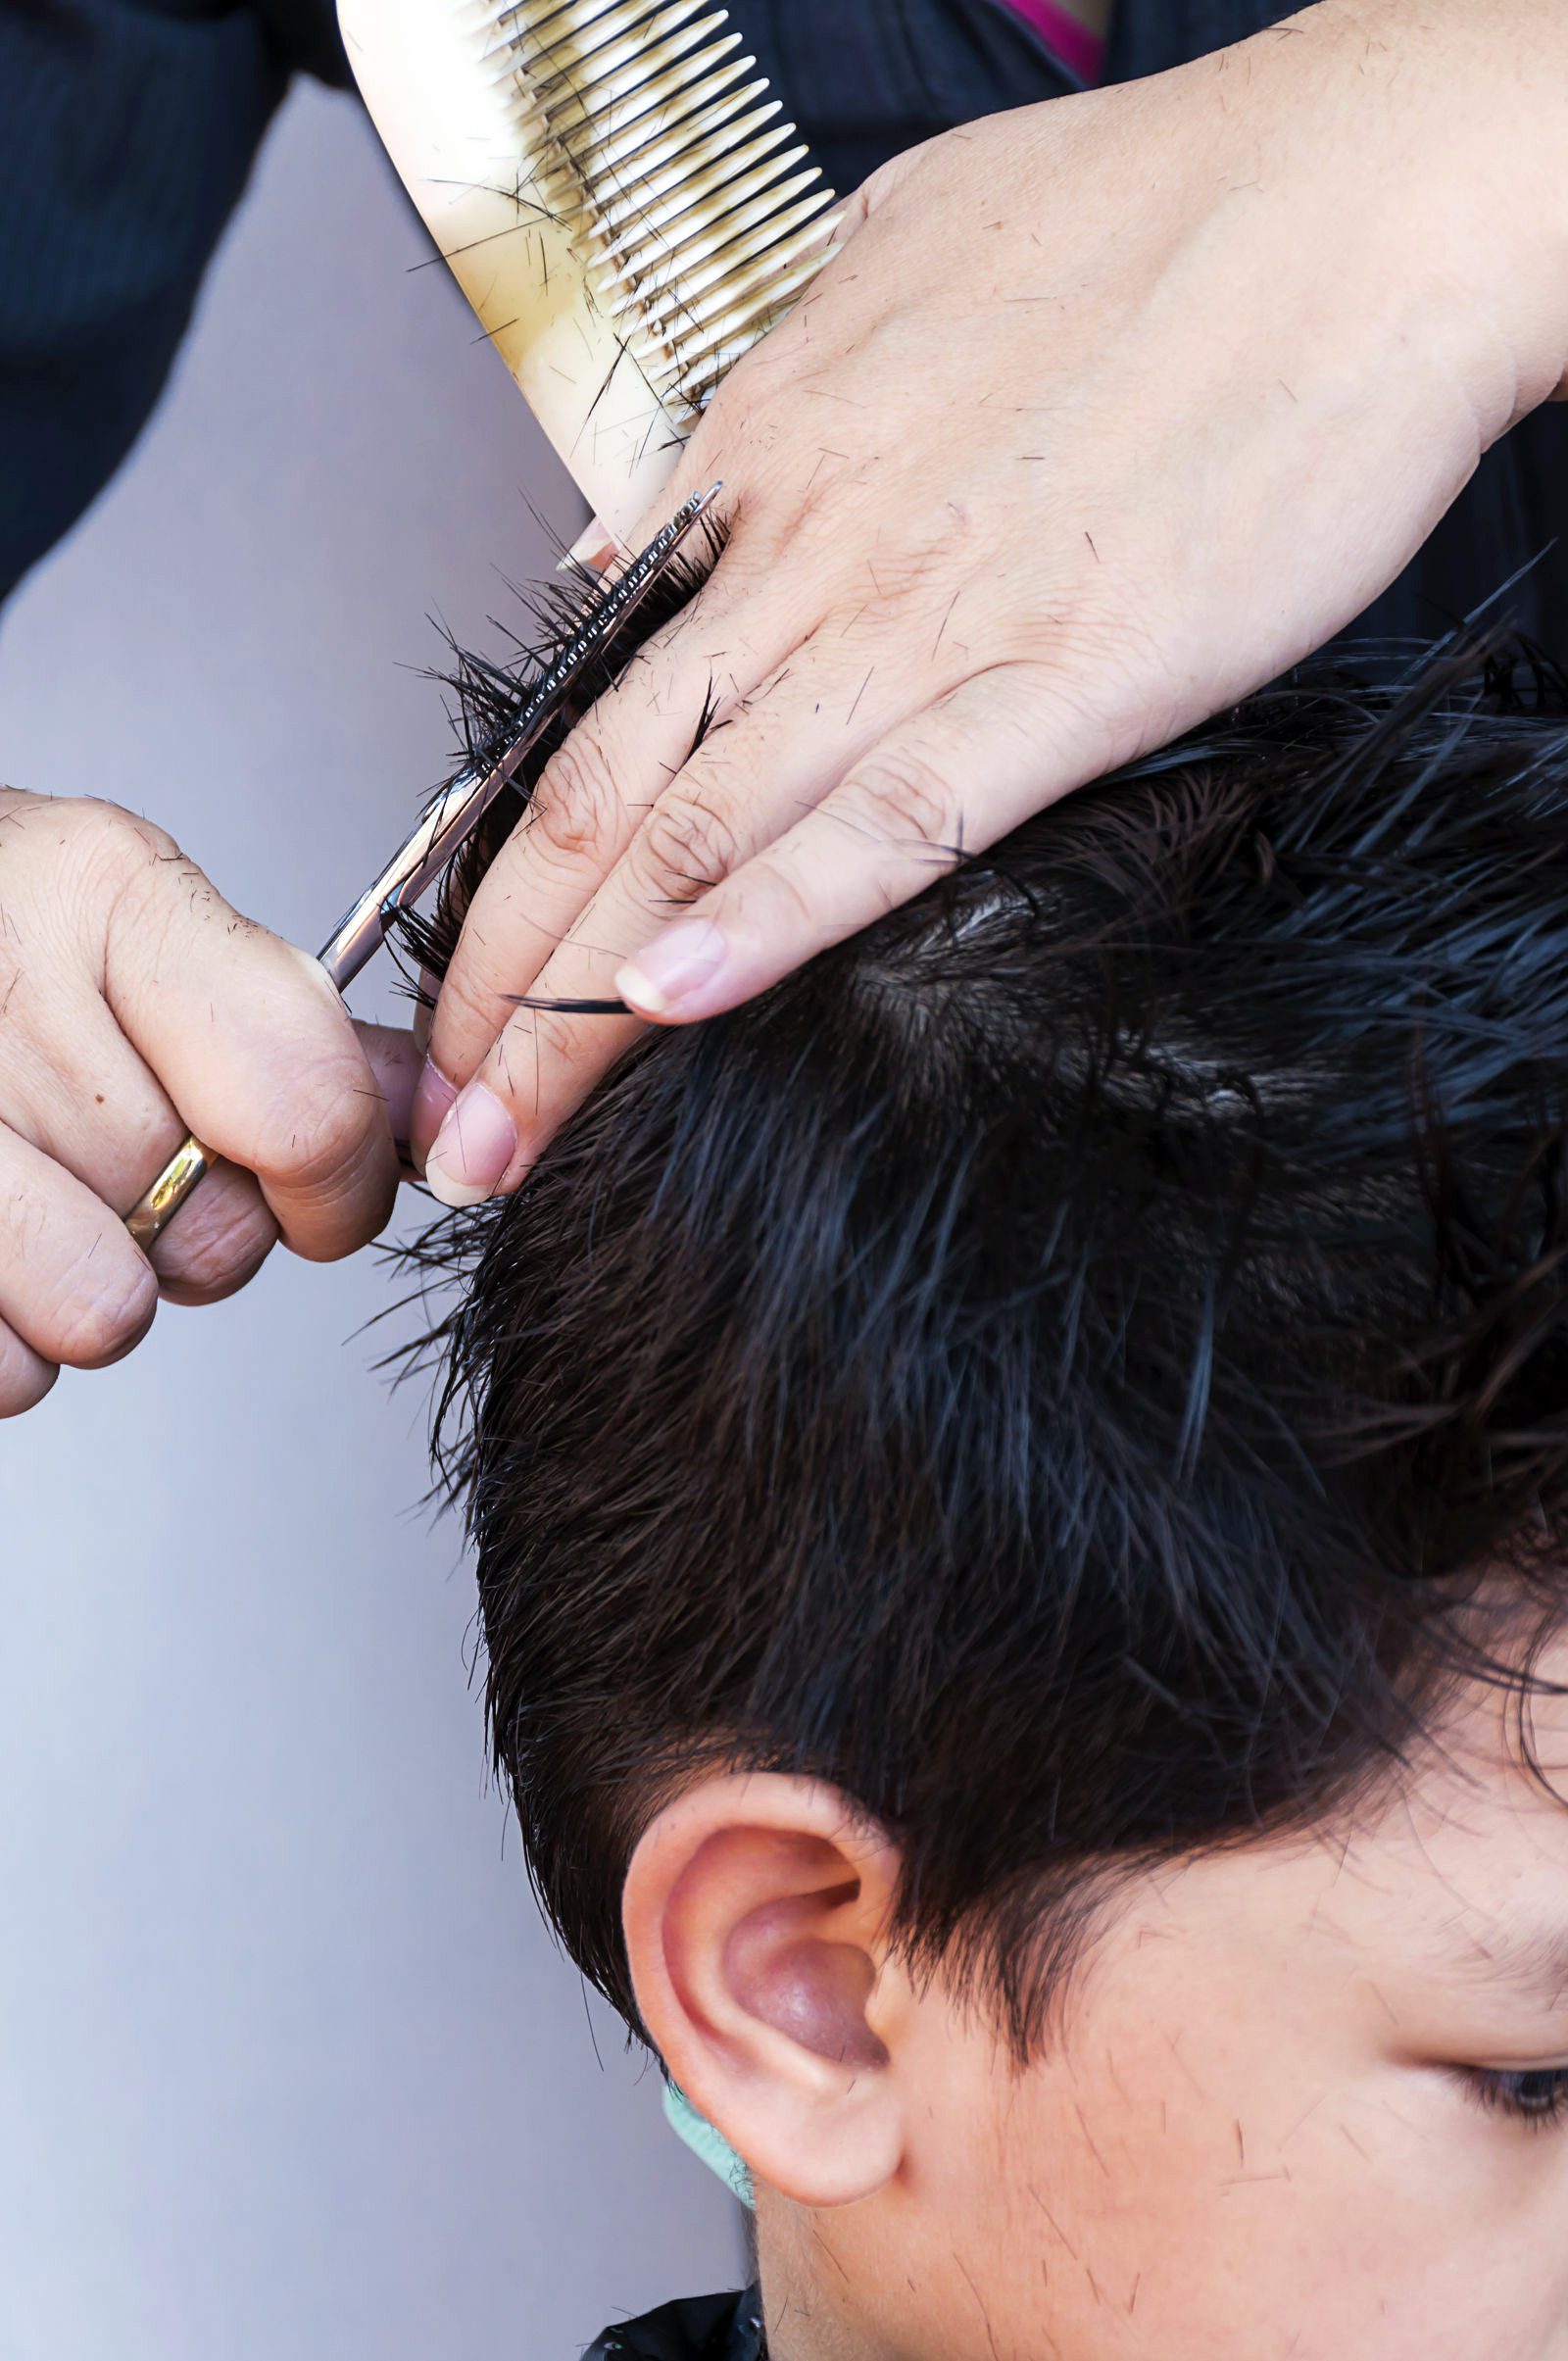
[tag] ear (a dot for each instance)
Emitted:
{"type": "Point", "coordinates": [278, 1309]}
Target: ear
{"type": "Point", "coordinates": [756, 1914]}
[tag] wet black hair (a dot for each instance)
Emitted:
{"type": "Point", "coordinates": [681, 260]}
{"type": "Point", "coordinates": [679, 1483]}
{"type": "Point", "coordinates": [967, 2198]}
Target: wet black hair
{"type": "Point", "coordinates": [1064, 1365]}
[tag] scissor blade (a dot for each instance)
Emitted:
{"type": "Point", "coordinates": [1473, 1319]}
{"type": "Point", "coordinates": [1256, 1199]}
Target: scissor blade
{"type": "Point", "coordinates": [453, 814]}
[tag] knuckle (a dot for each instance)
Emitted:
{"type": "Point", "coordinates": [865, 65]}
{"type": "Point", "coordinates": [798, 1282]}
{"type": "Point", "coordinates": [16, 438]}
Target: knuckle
{"type": "Point", "coordinates": [771, 897]}
{"type": "Point", "coordinates": [316, 1137]}
{"type": "Point", "coordinates": [131, 832]}
{"type": "Point", "coordinates": [1099, 699]}
{"type": "Point", "coordinates": [556, 1033]}
{"type": "Point", "coordinates": [814, 533]}
{"type": "Point", "coordinates": [80, 860]}
{"type": "Point", "coordinates": [220, 1242]}
{"type": "Point", "coordinates": [90, 822]}
{"type": "Point", "coordinates": [901, 796]}
{"type": "Point", "coordinates": [577, 808]}
{"type": "Point", "coordinates": [469, 1008]}
{"type": "Point", "coordinates": [152, 890]}
{"type": "Point", "coordinates": [134, 852]}
{"type": "Point", "coordinates": [920, 575]}
{"type": "Point", "coordinates": [533, 1037]}
{"type": "Point", "coordinates": [878, 186]}
{"type": "Point", "coordinates": [686, 842]}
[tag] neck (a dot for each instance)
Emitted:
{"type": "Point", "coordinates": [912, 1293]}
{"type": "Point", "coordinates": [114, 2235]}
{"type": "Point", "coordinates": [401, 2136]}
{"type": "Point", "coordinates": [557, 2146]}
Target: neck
{"type": "Point", "coordinates": [804, 2323]}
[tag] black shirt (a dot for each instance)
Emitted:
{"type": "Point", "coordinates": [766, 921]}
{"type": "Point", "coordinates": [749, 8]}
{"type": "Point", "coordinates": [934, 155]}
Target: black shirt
{"type": "Point", "coordinates": [130, 129]}
{"type": "Point", "coordinates": [707, 2328]}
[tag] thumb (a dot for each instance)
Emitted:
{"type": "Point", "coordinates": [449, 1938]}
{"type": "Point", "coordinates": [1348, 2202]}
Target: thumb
{"type": "Point", "coordinates": [255, 1049]}
{"type": "Point", "coordinates": [394, 1057]}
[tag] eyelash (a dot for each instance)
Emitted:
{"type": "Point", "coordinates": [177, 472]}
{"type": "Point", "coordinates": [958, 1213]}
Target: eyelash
{"type": "Point", "coordinates": [1518, 2094]}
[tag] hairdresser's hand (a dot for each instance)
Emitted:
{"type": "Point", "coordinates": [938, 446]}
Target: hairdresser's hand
{"type": "Point", "coordinates": [129, 989]}
{"type": "Point", "coordinates": [1109, 411]}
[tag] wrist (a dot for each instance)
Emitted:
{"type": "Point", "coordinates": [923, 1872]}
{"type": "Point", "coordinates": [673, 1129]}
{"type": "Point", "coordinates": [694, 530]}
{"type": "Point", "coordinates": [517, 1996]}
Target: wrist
{"type": "Point", "coordinates": [1473, 105]}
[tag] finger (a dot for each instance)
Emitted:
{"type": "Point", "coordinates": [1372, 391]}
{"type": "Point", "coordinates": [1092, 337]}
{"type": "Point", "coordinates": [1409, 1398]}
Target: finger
{"type": "Point", "coordinates": [588, 804]}
{"type": "Point", "coordinates": [742, 625]}
{"type": "Point", "coordinates": [478, 1151]}
{"type": "Point", "coordinates": [742, 788]}
{"type": "Point", "coordinates": [74, 1286]}
{"type": "Point", "coordinates": [225, 1230]}
{"type": "Point", "coordinates": [256, 1051]}
{"type": "Point", "coordinates": [393, 1055]}
{"type": "Point", "coordinates": [85, 1099]}
{"type": "Point", "coordinates": [948, 781]}
{"type": "Point", "coordinates": [26, 1377]}
{"type": "Point", "coordinates": [218, 1240]}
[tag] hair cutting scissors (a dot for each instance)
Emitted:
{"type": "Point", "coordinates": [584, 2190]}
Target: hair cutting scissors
{"type": "Point", "coordinates": [448, 821]}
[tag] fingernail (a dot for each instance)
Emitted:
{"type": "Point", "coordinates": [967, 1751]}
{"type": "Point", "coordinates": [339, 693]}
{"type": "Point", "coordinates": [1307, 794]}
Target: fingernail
{"type": "Point", "coordinates": [433, 1095]}
{"type": "Point", "coordinates": [473, 1149]}
{"type": "Point", "coordinates": [668, 971]}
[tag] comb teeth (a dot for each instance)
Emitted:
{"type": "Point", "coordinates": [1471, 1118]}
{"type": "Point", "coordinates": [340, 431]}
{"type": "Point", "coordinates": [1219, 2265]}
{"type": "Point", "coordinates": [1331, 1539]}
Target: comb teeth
{"type": "Point", "coordinates": [678, 177]}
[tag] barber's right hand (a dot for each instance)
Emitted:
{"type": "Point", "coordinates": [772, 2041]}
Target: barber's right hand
{"type": "Point", "coordinates": [137, 1006]}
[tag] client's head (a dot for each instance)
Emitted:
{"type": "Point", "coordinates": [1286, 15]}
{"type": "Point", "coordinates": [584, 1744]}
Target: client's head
{"type": "Point", "coordinates": [1021, 1487]}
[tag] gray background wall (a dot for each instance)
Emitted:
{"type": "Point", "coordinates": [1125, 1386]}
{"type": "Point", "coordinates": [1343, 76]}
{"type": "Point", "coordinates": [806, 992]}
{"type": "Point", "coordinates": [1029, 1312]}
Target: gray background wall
{"type": "Point", "coordinates": [288, 2066]}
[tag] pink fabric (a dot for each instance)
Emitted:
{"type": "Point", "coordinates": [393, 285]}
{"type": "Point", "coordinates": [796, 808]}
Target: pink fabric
{"type": "Point", "coordinates": [1081, 51]}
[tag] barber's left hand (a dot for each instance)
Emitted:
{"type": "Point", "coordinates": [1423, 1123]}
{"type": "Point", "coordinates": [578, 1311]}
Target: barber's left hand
{"type": "Point", "coordinates": [1110, 410]}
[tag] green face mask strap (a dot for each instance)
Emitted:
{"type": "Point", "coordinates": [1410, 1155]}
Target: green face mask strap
{"type": "Point", "coordinates": [702, 2141]}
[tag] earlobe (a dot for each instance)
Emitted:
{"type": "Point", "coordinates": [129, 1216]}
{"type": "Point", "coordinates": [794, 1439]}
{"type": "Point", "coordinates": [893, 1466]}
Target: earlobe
{"type": "Point", "coordinates": [756, 1916]}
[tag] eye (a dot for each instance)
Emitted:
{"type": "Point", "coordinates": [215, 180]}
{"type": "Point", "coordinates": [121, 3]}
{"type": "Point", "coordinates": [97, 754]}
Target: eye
{"type": "Point", "coordinates": [1536, 2096]}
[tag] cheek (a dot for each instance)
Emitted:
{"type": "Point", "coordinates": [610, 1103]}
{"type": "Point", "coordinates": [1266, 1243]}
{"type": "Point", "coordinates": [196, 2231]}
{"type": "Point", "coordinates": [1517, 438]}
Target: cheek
{"type": "Point", "coordinates": [1203, 2197]}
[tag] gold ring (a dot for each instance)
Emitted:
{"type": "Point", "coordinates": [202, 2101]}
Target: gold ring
{"type": "Point", "coordinates": [151, 1214]}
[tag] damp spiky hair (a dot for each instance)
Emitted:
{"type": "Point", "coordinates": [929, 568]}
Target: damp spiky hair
{"type": "Point", "coordinates": [487, 700]}
{"type": "Point", "coordinates": [1058, 1366]}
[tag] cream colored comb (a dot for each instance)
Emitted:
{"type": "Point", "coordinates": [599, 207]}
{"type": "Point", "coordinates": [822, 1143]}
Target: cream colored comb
{"type": "Point", "coordinates": [617, 195]}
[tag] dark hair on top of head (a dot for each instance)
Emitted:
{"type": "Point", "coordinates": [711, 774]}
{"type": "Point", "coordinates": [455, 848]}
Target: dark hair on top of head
{"type": "Point", "coordinates": [1058, 1365]}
